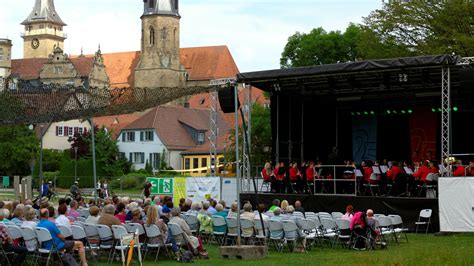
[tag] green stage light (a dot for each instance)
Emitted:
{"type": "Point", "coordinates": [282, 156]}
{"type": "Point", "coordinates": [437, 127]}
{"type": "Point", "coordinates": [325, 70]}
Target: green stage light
{"type": "Point", "coordinates": [440, 110]}
{"type": "Point", "coordinates": [403, 112]}
{"type": "Point", "coordinates": [410, 111]}
{"type": "Point", "coordinates": [394, 112]}
{"type": "Point", "coordinates": [366, 113]}
{"type": "Point", "coordinates": [433, 110]}
{"type": "Point", "coordinates": [389, 112]}
{"type": "Point", "coordinates": [352, 113]}
{"type": "Point", "coordinates": [455, 109]}
{"type": "Point", "coordinates": [372, 112]}
{"type": "Point", "coordinates": [358, 113]}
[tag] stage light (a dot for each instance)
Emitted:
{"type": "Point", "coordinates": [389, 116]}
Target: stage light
{"type": "Point", "coordinates": [440, 110]}
{"type": "Point", "coordinates": [366, 113]}
{"type": "Point", "coordinates": [455, 109]}
{"type": "Point", "coordinates": [403, 112]}
{"type": "Point", "coordinates": [358, 113]}
{"type": "Point", "coordinates": [394, 111]}
{"type": "Point", "coordinates": [352, 113]}
{"type": "Point", "coordinates": [433, 110]}
{"type": "Point", "coordinates": [388, 112]}
{"type": "Point", "coordinates": [372, 112]}
{"type": "Point", "coordinates": [410, 111]}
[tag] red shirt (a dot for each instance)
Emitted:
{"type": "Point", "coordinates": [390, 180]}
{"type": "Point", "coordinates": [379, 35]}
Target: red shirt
{"type": "Point", "coordinates": [310, 174]}
{"type": "Point", "coordinates": [294, 174]}
{"type": "Point", "coordinates": [394, 172]}
{"type": "Point", "coordinates": [277, 176]}
{"type": "Point", "coordinates": [460, 171]}
{"type": "Point", "coordinates": [472, 171]}
{"type": "Point", "coordinates": [422, 173]}
{"type": "Point", "coordinates": [266, 176]}
{"type": "Point", "coordinates": [434, 170]}
{"type": "Point", "coordinates": [367, 173]}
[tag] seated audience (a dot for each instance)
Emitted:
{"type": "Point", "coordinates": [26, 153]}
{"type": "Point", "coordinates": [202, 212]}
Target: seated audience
{"type": "Point", "coordinates": [107, 217]}
{"type": "Point", "coordinates": [460, 170]}
{"type": "Point", "coordinates": [121, 212]}
{"type": "Point", "coordinates": [193, 241]}
{"type": "Point", "coordinates": [298, 207]}
{"type": "Point", "coordinates": [276, 204]}
{"type": "Point", "coordinates": [18, 215]}
{"type": "Point", "coordinates": [233, 210]}
{"type": "Point", "coordinates": [93, 217]}
{"type": "Point", "coordinates": [249, 215]}
{"type": "Point", "coordinates": [222, 213]}
{"type": "Point", "coordinates": [73, 210]}
{"type": "Point", "coordinates": [60, 243]}
{"type": "Point", "coordinates": [7, 246]}
{"type": "Point", "coordinates": [62, 219]}
{"type": "Point", "coordinates": [52, 214]}
{"type": "Point", "coordinates": [349, 213]}
{"type": "Point", "coordinates": [261, 211]}
{"type": "Point", "coordinates": [29, 219]}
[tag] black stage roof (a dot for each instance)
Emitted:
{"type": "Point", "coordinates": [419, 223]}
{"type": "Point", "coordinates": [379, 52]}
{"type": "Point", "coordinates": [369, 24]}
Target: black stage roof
{"type": "Point", "coordinates": [380, 77]}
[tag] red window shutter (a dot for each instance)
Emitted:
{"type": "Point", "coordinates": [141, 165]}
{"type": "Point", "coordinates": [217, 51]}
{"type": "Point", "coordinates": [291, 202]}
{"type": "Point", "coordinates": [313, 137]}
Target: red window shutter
{"type": "Point", "coordinates": [85, 130]}
{"type": "Point", "coordinates": [76, 129]}
{"type": "Point", "coordinates": [57, 131]}
{"type": "Point", "coordinates": [66, 131]}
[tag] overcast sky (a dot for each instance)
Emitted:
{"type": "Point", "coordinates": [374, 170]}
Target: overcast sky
{"type": "Point", "coordinates": [255, 31]}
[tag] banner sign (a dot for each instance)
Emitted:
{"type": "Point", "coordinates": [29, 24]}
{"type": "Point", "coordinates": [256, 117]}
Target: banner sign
{"type": "Point", "coordinates": [161, 186]}
{"type": "Point", "coordinates": [203, 188]}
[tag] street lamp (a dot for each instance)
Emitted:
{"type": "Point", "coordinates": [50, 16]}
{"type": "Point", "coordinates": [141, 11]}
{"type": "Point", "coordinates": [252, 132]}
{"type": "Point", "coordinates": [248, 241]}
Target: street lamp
{"type": "Point", "coordinates": [75, 163]}
{"type": "Point", "coordinates": [41, 162]}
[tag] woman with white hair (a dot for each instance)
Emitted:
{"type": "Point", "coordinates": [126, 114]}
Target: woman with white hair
{"type": "Point", "coordinates": [193, 241]}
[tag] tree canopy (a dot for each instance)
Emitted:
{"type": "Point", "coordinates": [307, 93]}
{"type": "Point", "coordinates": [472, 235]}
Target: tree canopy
{"type": "Point", "coordinates": [398, 29]}
{"type": "Point", "coordinates": [18, 148]}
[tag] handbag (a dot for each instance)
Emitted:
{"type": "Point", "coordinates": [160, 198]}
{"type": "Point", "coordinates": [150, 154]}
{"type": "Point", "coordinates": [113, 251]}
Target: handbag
{"type": "Point", "coordinates": [68, 260]}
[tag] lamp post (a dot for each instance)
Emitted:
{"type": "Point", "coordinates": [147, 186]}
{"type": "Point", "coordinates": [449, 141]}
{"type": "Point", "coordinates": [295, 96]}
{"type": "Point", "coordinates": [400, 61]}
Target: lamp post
{"type": "Point", "coordinates": [41, 162]}
{"type": "Point", "coordinates": [75, 163]}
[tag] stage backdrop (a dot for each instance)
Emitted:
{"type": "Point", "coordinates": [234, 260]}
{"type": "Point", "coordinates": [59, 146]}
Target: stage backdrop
{"type": "Point", "coordinates": [456, 204]}
{"type": "Point", "coordinates": [364, 138]}
{"type": "Point", "coordinates": [423, 128]}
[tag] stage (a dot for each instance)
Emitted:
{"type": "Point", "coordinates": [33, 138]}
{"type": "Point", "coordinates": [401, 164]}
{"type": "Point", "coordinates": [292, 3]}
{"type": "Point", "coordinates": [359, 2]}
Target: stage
{"type": "Point", "coordinates": [407, 208]}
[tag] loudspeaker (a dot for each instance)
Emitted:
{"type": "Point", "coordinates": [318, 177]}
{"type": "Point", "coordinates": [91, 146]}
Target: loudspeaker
{"type": "Point", "coordinates": [227, 100]}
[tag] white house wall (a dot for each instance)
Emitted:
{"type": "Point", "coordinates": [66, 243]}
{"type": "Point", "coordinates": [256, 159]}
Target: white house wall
{"type": "Point", "coordinates": [174, 159]}
{"type": "Point", "coordinates": [51, 141]}
{"type": "Point", "coordinates": [147, 147]}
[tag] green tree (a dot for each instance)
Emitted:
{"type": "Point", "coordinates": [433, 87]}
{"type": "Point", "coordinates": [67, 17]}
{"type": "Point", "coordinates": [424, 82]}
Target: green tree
{"type": "Point", "coordinates": [321, 47]}
{"type": "Point", "coordinates": [402, 28]}
{"type": "Point", "coordinates": [106, 150]}
{"type": "Point", "coordinates": [18, 146]}
{"type": "Point", "coordinates": [261, 137]}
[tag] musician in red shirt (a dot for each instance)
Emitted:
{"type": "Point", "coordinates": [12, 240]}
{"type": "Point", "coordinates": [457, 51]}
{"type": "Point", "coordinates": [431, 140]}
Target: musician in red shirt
{"type": "Point", "coordinates": [295, 177]}
{"type": "Point", "coordinates": [470, 169]}
{"type": "Point", "coordinates": [394, 171]}
{"type": "Point", "coordinates": [310, 174]}
{"type": "Point", "coordinates": [368, 171]}
{"type": "Point", "coordinates": [279, 173]}
{"type": "Point", "coordinates": [460, 170]}
{"type": "Point", "coordinates": [393, 175]}
{"type": "Point", "coordinates": [422, 172]}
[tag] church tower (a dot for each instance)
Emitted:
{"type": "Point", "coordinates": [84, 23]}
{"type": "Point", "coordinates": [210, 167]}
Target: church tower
{"type": "Point", "coordinates": [160, 64]}
{"type": "Point", "coordinates": [43, 31]}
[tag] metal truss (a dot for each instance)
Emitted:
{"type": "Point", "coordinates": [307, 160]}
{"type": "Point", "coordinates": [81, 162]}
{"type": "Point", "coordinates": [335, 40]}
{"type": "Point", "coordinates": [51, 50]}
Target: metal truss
{"type": "Point", "coordinates": [213, 124]}
{"type": "Point", "coordinates": [247, 117]}
{"type": "Point", "coordinates": [446, 117]}
{"type": "Point", "coordinates": [466, 61]}
{"type": "Point", "coordinates": [213, 131]}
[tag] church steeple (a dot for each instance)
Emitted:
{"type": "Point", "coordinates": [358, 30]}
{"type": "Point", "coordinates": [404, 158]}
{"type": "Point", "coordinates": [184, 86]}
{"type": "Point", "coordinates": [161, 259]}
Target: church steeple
{"type": "Point", "coordinates": [44, 11]}
{"type": "Point", "coordinates": [43, 30]}
{"type": "Point", "coordinates": [161, 7]}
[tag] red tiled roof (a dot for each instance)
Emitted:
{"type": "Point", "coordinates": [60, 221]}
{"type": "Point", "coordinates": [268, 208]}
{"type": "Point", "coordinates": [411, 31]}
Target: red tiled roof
{"type": "Point", "coordinates": [83, 65]}
{"type": "Point", "coordinates": [166, 122]}
{"type": "Point", "coordinates": [204, 148]}
{"type": "Point", "coordinates": [207, 63]}
{"type": "Point", "coordinates": [115, 123]}
{"type": "Point", "coordinates": [30, 68]}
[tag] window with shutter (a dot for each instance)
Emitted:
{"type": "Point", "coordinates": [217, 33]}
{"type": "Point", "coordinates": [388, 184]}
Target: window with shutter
{"type": "Point", "coordinates": [141, 135]}
{"type": "Point", "coordinates": [143, 157]}
{"type": "Point", "coordinates": [57, 131]}
{"type": "Point", "coordinates": [123, 136]}
{"type": "Point", "coordinates": [131, 157]}
{"type": "Point", "coordinates": [66, 130]}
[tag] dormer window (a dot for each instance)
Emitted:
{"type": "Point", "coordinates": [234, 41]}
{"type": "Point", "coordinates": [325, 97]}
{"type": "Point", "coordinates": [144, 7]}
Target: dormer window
{"type": "Point", "coordinates": [201, 138]}
{"type": "Point", "coordinates": [151, 3]}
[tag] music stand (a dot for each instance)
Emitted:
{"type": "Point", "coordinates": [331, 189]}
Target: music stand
{"type": "Point", "coordinates": [408, 170]}
{"type": "Point", "coordinates": [384, 169]}
{"type": "Point", "coordinates": [376, 170]}
{"type": "Point", "coordinates": [358, 173]}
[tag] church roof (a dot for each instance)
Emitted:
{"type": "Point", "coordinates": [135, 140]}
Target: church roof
{"type": "Point", "coordinates": [44, 11]}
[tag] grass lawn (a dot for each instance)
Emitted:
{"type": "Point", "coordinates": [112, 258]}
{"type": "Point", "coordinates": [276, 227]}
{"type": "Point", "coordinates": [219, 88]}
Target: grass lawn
{"type": "Point", "coordinates": [421, 250]}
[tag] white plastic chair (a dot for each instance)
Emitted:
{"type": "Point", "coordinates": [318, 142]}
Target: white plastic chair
{"type": "Point", "coordinates": [177, 233]}
{"type": "Point", "coordinates": [218, 221]}
{"type": "Point", "coordinates": [424, 219]}
{"type": "Point", "coordinates": [79, 234]}
{"type": "Point", "coordinates": [44, 236]}
{"type": "Point", "coordinates": [291, 232]}
{"type": "Point", "coordinates": [398, 226]}
{"type": "Point", "coordinates": [153, 231]}
{"type": "Point", "coordinates": [343, 226]}
{"type": "Point", "coordinates": [14, 231]}
{"type": "Point", "coordinates": [193, 223]}
{"type": "Point", "coordinates": [106, 238]}
{"type": "Point", "coordinates": [386, 228]}
{"type": "Point", "coordinates": [133, 227]}
{"type": "Point", "coordinates": [123, 241]}
{"type": "Point", "coordinates": [29, 237]}
{"type": "Point", "coordinates": [246, 224]}
{"type": "Point", "coordinates": [276, 234]}
{"type": "Point", "coordinates": [65, 231]}
{"type": "Point", "coordinates": [336, 215]}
